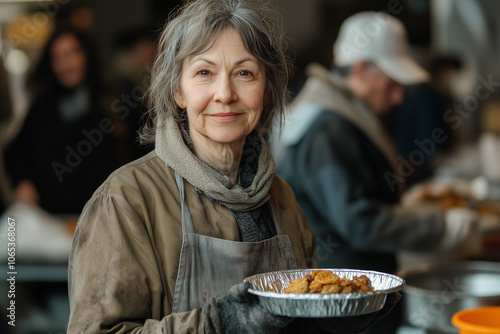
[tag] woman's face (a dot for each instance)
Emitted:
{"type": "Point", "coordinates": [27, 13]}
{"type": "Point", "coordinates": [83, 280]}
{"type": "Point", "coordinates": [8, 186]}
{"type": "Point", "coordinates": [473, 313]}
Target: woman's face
{"type": "Point", "coordinates": [68, 61]}
{"type": "Point", "coordinates": [223, 90]}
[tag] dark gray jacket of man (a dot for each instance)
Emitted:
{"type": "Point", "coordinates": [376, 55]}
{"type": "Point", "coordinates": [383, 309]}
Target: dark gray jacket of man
{"type": "Point", "coordinates": [342, 169]}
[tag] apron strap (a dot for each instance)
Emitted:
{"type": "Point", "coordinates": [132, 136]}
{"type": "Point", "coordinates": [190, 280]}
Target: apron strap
{"type": "Point", "coordinates": [187, 222]}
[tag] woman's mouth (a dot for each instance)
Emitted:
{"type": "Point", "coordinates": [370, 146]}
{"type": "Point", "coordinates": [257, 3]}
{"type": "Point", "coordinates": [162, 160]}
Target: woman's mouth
{"type": "Point", "coordinates": [226, 117]}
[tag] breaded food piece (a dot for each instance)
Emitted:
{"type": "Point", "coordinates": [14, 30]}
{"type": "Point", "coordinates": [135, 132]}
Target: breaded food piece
{"type": "Point", "coordinates": [363, 283]}
{"type": "Point", "coordinates": [363, 279]}
{"type": "Point", "coordinates": [357, 284]}
{"type": "Point", "coordinates": [331, 288]}
{"type": "Point", "coordinates": [363, 288]}
{"type": "Point", "coordinates": [326, 282]}
{"type": "Point", "coordinates": [326, 277]}
{"type": "Point", "coordinates": [348, 287]}
{"type": "Point", "coordinates": [315, 272]}
{"type": "Point", "coordinates": [300, 285]}
{"type": "Point", "coordinates": [315, 287]}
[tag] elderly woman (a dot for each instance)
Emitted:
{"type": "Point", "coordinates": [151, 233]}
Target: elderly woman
{"type": "Point", "coordinates": [167, 234]}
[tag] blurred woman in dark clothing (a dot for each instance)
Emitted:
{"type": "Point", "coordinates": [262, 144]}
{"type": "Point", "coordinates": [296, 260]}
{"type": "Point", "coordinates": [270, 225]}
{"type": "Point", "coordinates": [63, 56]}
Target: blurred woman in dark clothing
{"type": "Point", "coordinates": [65, 148]}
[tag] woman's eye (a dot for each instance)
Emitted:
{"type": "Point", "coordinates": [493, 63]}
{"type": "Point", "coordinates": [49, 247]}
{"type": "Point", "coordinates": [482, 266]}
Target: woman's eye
{"type": "Point", "coordinates": [244, 73]}
{"type": "Point", "coordinates": [204, 72]}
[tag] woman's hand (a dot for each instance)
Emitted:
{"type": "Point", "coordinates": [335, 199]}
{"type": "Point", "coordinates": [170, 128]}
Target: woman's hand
{"type": "Point", "coordinates": [239, 312]}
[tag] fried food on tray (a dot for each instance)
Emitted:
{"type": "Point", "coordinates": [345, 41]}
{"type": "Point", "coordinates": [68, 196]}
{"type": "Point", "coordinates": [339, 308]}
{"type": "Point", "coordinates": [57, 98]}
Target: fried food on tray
{"type": "Point", "coordinates": [330, 288]}
{"type": "Point", "coordinates": [325, 277]}
{"type": "Point", "coordinates": [326, 282]}
{"type": "Point", "coordinates": [447, 199]}
{"type": "Point", "coordinates": [300, 285]}
{"type": "Point", "coordinates": [315, 287]}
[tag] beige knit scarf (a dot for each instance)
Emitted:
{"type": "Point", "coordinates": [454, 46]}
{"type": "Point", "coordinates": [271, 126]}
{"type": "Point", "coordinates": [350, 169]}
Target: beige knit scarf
{"type": "Point", "coordinates": [171, 148]}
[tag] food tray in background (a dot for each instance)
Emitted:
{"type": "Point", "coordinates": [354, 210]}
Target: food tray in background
{"type": "Point", "coordinates": [268, 288]}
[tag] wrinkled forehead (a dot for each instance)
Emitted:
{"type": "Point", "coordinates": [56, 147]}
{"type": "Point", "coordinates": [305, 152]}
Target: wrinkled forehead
{"type": "Point", "coordinates": [197, 44]}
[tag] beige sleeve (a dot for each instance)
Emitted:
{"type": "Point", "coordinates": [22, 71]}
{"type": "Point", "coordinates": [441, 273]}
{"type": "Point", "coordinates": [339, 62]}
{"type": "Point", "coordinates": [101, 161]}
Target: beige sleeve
{"type": "Point", "coordinates": [114, 282]}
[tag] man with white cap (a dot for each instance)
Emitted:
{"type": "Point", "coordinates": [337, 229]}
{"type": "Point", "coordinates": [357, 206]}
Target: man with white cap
{"type": "Point", "coordinates": [341, 164]}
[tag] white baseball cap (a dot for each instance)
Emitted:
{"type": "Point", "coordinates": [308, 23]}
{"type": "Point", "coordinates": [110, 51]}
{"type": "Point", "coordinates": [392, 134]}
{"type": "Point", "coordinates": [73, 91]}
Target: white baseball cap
{"type": "Point", "coordinates": [380, 38]}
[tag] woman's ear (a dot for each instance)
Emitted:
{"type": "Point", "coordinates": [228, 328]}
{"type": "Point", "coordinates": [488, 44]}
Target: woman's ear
{"type": "Point", "coordinates": [179, 98]}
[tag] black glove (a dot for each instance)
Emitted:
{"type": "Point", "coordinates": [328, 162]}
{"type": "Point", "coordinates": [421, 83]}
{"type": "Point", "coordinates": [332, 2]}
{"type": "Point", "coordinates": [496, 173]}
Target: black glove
{"type": "Point", "coordinates": [239, 312]}
{"type": "Point", "coordinates": [359, 323]}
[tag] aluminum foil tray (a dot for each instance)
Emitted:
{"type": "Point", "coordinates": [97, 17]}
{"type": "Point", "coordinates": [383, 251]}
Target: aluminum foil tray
{"type": "Point", "coordinates": [268, 288]}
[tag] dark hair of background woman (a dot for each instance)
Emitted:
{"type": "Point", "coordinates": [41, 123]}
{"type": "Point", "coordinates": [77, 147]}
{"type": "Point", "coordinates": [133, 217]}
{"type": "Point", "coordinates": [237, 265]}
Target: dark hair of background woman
{"type": "Point", "coordinates": [44, 80]}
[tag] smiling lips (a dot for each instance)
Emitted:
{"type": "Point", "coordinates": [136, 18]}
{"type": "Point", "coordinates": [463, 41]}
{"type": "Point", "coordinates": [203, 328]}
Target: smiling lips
{"type": "Point", "coordinates": [226, 117]}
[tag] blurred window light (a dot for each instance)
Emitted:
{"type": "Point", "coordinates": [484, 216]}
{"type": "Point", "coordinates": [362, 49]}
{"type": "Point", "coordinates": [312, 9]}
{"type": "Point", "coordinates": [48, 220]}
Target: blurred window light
{"type": "Point", "coordinates": [16, 62]}
{"type": "Point", "coordinates": [29, 30]}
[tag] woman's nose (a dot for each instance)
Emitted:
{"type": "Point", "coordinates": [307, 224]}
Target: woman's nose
{"type": "Point", "coordinates": [224, 91]}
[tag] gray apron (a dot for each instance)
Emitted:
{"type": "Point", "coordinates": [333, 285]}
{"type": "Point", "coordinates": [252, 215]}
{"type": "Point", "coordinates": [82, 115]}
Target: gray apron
{"type": "Point", "coordinates": [209, 266]}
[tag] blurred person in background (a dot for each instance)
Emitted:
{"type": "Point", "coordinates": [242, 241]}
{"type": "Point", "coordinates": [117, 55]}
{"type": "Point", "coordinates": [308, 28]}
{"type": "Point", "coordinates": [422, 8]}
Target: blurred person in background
{"type": "Point", "coordinates": [341, 164]}
{"type": "Point", "coordinates": [421, 113]}
{"type": "Point", "coordinates": [64, 149]}
{"type": "Point", "coordinates": [136, 50]}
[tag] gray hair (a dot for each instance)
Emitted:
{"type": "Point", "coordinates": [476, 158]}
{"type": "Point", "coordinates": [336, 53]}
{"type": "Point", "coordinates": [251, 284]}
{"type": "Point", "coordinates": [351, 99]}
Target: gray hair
{"type": "Point", "coordinates": [193, 30]}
